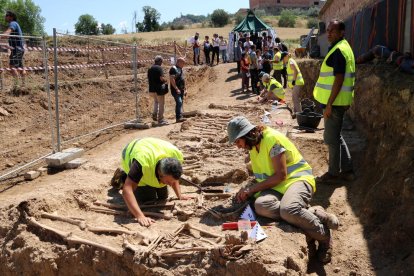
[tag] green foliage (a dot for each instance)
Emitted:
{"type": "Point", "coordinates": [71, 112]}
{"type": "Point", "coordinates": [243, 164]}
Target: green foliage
{"type": "Point", "coordinates": [313, 12]}
{"type": "Point", "coordinates": [312, 22]}
{"type": "Point", "coordinates": [87, 25]}
{"type": "Point", "coordinates": [107, 29]}
{"type": "Point", "coordinates": [260, 13]}
{"type": "Point", "coordinates": [287, 19]}
{"type": "Point", "coordinates": [151, 20]}
{"type": "Point", "coordinates": [220, 18]}
{"type": "Point", "coordinates": [238, 18]}
{"type": "Point", "coordinates": [27, 13]}
{"type": "Point", "coordinates": [177, 27]}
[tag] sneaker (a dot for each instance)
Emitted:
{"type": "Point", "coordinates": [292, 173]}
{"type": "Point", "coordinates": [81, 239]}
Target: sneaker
{"type": "Point", "coordinates": [330, 220]}
{"type": "Point", "coordinates": [154, 117]}
{"type": "Point", "coordinates": [311, 246]}
{"type": "Point", "coordinates": [347, 176]}
{"type": "Point", "coordinates": [180, 120]}
{"type": "Point", "coordinates": [324, 251]}
{"type": "Point", "coordinates": [163, 123]}
{"type": "Point", "coordinates": [327, 178]}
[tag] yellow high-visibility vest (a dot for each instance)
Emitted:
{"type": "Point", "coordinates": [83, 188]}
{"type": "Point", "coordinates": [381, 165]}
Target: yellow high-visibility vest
{"type": "Point", "coordinates": [148, 151]}
{"type": "Point", "coordinates": [297, 168]}
{"type": "Point", "coordinates": [279, 65]}
{"type": "Point", "coordinates": [275, 87]}
{"type": "Point", "coordinates": [299, 79]}
{"type": "Point", "coordinates": [323, 87]}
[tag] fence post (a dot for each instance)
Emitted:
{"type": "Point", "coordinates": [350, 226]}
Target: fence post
{"type": "Point", "coordinates": [104, 63]}
{"type": "Point", "coordinates": [134, 62]}
{"type": "Point", "coordinates": [47, 89]}
{"type": "Point", "coordinates": [175, 52]}
{"type": "Point", "coordinates": [55, 70]}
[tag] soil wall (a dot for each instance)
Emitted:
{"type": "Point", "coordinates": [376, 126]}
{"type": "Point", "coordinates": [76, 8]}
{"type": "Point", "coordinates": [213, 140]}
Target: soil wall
{"type": "Point", "coordinates": [383, 195]}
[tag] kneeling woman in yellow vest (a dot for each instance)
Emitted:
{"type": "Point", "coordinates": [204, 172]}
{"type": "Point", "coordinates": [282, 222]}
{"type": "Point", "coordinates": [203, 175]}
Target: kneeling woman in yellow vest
{"type": "Point", "coordinates": [148, 165]}
{"type": "Point", "coordinates": [273, 90]}
{"type": "Point", "coordinates": [295, 80]}
{"type": "Point", "coordinates": [285, 183]}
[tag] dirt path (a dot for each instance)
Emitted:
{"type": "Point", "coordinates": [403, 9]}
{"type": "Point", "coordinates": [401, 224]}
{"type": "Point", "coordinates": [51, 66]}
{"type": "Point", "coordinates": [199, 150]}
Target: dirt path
{"type": "Point", "coordinates": [65, 191]}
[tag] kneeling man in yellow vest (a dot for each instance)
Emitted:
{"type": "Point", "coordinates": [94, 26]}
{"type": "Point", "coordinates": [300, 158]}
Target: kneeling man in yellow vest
{"type": "Point", "coordinates": [285, 183]}
{"type": "Point", "coordinates": [149, 165]}
{"type": "Point", "coordinates": [273, 90]}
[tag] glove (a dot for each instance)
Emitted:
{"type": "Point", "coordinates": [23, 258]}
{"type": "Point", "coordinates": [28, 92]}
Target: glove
{"type": "Point", "coordinates": [293, 83]}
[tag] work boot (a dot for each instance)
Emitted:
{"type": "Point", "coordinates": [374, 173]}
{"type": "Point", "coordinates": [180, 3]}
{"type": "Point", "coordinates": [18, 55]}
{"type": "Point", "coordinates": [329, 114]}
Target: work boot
{"type": "Point", "coordinates": [325, 248]}
{"type": "Point", "coordinates": [311, 246]}
{"type": "Point", "coordinates": [326, 218]}
{"type": "Point", "coordinates": [154, 117]}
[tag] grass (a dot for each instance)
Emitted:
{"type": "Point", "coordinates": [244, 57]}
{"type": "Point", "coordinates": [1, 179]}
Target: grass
{"type": "Point", "coordinates": [291, 34]}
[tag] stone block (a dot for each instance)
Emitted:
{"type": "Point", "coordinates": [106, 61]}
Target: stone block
{"type": "Point", "coordinates": [42, 170]}
{"type": "Point", "coordinates": [31, 175]}
{"type": "Point", "coordinates": [75, 163]}
{"type": "Point", "coordinates": [60, 158]}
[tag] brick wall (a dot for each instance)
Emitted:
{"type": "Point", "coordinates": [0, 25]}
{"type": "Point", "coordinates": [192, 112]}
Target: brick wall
{"type": "Point", "coordinates": [343, 9]}
{"type": "Point", "coordinates": [274, 4]}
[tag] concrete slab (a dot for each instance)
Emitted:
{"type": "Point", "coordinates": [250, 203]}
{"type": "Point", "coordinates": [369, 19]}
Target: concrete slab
{"type": "Point", "coordinates": [75, 163]}
{"type": "Point", "coordinates": [60, 158]}
{"type": "Point", "coordinates": [31, 175]}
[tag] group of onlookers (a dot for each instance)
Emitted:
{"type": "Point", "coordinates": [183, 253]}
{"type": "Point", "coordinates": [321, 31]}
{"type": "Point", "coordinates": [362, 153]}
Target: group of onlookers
{"type": "Point", "coordinates": [212, 49]}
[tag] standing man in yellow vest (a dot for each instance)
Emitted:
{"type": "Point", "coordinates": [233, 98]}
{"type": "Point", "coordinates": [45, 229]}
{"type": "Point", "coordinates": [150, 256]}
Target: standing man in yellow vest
{"type": "Point", "coordinates": [148, 166]}
{"type": "Point", "coordinates": [295, 81]}
{"type": "Point", "coordinates": [334, 89]}
{"type": "Point", "coordinates": [277, 65]}
{"type": "Point", "coordinates": [285, 184]}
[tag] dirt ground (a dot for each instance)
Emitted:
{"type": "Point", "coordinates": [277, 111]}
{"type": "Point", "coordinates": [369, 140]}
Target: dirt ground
{"type": "Point", "coordinates": [29, 249]}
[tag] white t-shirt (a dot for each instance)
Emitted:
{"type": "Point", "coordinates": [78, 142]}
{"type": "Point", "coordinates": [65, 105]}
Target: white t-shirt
{"type": "Point", "coordinates": [216, 42]}
{"type": "Point", "coordinates": [248, 44]}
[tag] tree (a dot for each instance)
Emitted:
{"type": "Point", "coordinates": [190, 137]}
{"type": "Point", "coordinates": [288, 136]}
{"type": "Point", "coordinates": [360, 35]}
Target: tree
{"type": "Point", "coordinates": [287, 19]}
{"type": "Point", "coordinates": [27, 13]}
{"type": "Point", "coordinates": [220, 18]}
{"type": "Point", "coordinates": [238, 18]}
{"type": "Point", "coordinates": [151, 20]}
{"type": "Point", "coordinates": [107, 29]}
{"type": "Point", "coordinates": [312, 22]}
{"type": "Point", "coordinates": [87, 25]}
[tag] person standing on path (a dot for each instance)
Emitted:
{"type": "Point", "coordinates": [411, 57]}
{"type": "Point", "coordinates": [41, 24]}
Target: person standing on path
{"type": "Point", "coordinates": [158, 87]}
{"type": "Point", "coordinates": [237, 56]}
{"type": "Point", "coordinates": [207, 48]}
{"type": "Point", "coordinates": [277, 65]}
{"type": "Point", "coordinates": [178, 89]}
{"type": "Point", "coordinates": [148, 166]}
{"type": "Point", "coordinates": [223, 48]}
{"type": "Point", "coordinates": [216, 48]}
{"type": "Point", "coordinates": [253, 69]}
{"type": "Point", "coordinates": [285, 183]}
{"type": "Point", "coordinates": [334, 90]}
{"type": "Point", "coordinates": [16, 42]}
{"type": "Point", "coordinates": [295, 81]}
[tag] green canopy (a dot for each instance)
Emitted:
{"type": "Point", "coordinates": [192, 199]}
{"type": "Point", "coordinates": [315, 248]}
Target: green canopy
{"type": "Point", "coordinates": [251, 24]}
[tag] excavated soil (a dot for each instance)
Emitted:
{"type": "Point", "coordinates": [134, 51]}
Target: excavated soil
{"type": "Point", "coordinates": [375, 210]}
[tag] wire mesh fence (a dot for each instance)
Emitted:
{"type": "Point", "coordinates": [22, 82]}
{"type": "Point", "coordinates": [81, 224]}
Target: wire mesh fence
{"type": "Point", "coordinates": [25, 122]}
{"type": "Point", "coordinates": [73, 87]}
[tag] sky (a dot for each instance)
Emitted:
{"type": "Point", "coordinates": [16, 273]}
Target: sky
{"type": "Point", "coordinates": [63, 14]}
